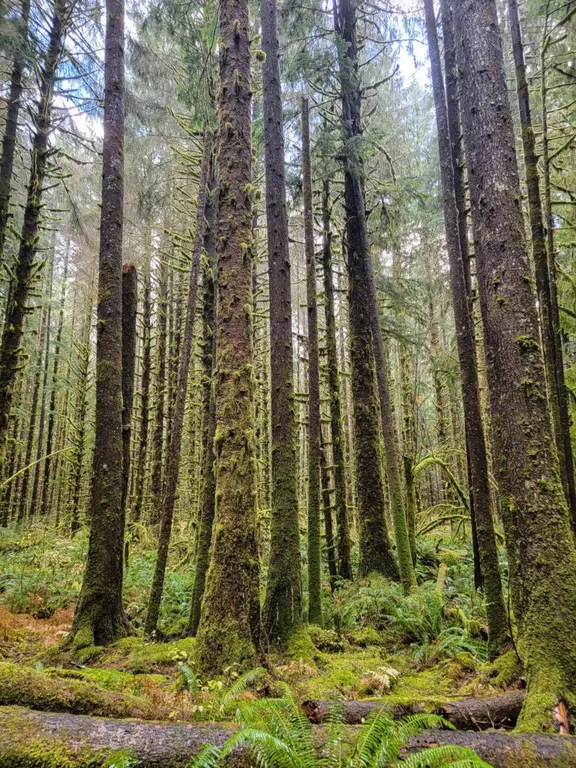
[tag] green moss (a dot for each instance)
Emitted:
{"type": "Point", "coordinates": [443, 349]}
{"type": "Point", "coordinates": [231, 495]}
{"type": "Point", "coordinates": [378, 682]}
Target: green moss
{"type": "Point", "coordinates": [116, 680]}
{"type": "Point", "coordinates": [365, 637]}
{"type": "Point", "coordinates": [136, 655]}
{"type": "Point", "coordinates": [301, 647]}
{"type": "Point", "coordinates": [505, 670]}
{"type": "Point", "coordinates": [326, 640]}
{"type": "Point", "coordinates": [46, 691]}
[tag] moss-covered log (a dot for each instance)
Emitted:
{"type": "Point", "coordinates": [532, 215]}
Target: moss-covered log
{"type": "Point", "coordinates": [470, 713]}
{"type": "Point", "coordinates": [30, 688]}
{"type": "Point", "coordinates": [47, 740]}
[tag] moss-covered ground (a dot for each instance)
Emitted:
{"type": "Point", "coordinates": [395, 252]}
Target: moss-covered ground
{"type": "Point", "coordinates": [426, 648]}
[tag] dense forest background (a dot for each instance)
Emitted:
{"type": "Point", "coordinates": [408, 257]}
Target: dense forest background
{"type": "Point", "coordinates": [288, 345]}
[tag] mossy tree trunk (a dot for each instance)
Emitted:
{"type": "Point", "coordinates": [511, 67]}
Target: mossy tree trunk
{"type": "Point", "coordinates": [129, 311]}
{"type": "Point", "coordinates": [173, 457]}
{"type": "Point", "coordinates": [80, 417]}
{"type": "Point", "coordinates": [480, 482]}
{"type": "Point", "coordinates": [550, 339]}
{"type": "Point", "coordinates": [282, 613]}
{"type": "Point", "coordinates": [541, 554]}
{"type": "Point", "coordinates": [100, 617]}
{"type": "Point", "coordinates": [314, 421]}
{"type": "Point", "coordinates": [336, 425]}
{"type": "Point", "coordinates": [26, 266]}
{"type": "Point", "coordinates": [229, 630]}
{"type": "Point", "coordinates": [140, 479]}
{"type": "Point", "coordinates": [48, 465]}
{"type": "Point", "coordinates": [11, 122]}
{"type": "Point", "coordinates": [366, 344]}
{"type": "Point", "coordinates": [207, 503]}
{"type": "Point", "coordinates": [160, 399]}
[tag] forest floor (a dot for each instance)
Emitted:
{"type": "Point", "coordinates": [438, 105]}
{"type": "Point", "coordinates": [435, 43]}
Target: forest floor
{"type": "Point", "coordinates": [415, 652]}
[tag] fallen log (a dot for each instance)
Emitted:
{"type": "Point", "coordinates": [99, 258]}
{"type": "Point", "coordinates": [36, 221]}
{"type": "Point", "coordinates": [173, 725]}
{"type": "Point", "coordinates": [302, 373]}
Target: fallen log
{"type": "Point", "coordinates": [505, 750]}
{"type": "Point", "coordinates": [27, 687]}
{"type": "Point", "coordinates": [31, 739]}
{"type": "Point", "coordinates": [471, 713]}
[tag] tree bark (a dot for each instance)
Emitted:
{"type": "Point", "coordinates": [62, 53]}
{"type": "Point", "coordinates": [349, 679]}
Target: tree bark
{"type": "Point", "coordinates": [314, 423]}
{"type": "Point", "coordinates": [86, 742]}
{"type": "Point", "coordinates": [541, 554]}
{"type": "Point", "coordinates": [160, 401]}
{"type": "Point", "coordinates": [562, 392]}
{"type": "Point", "coordinates": [208, 500]}
{"type": "Point", "coordinates": [229, 630]}
{"type": "Point", "coordinates": [336, 427]}
{"type": "Point", "coordinates": [173, 457]}
{"type": "Point", "coordinates": [470, 713]}
{"type": "Point", "coordinates": [282, 613]}
{"type": "Point", "coordinates": [484, 526]}
{"type": "Point", "coordinates": [140, 479]}
{"type": "Point", "coordinates": [47, 484]}
{"type": "Point", "coordinates": [26, 266]}
{"type": "Point", "coordinates": [99, 617]}
{"type": "Point", "coordinates": [550, 338]}
{"type": "Point", "coordinates": [11, 124]}
{"type": "Point", "coordinates": [129, 311]}
{"type": "Point", "coordinates": [365, 326]}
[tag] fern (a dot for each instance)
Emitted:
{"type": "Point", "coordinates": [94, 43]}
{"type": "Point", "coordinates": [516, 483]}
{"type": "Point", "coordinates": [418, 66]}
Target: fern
{"type": "Point", "coordinates": [278, 735]}
{"type": "Point", "coordinates": [437, 757]}
{"type": "Point", "coordinates": [231, 695]}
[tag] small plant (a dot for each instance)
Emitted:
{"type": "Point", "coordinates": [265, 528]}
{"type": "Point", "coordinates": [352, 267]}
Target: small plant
{"type": "Point", "coordinates": [123, 758]}
{"type": "Point", "coordinates": [278, 735]}
{"type": "Point", "coordinates": [216, 699]}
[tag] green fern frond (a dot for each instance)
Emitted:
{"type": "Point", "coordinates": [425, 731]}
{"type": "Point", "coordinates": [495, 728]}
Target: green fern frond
{"type": "Point", "coordinates": [268, 750]}
{"type": "Point", "coordinates": [241, 685]}
{"type": "Point", "coordinates": [447, 755]}
{"type": "Point", "coordinates": [414, 724]}
{"type": "Point", "coordinates": [377, 732]}
{"type": "Point", "coordinates": [208, 757]}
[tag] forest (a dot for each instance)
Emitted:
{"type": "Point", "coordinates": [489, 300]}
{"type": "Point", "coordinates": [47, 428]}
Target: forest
{"type": "Point", "coordinates": [287, 383]}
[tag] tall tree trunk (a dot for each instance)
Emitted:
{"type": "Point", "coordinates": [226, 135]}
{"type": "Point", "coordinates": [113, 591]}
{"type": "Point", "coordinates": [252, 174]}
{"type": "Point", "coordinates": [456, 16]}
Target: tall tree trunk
{"type": "Point", "coordinates": [541, 554]}
{"type": "Point", "coordinates": [80, 414]}
{"type": "Point", "coordinates": [34, 409]}
{"type": "Point", "coordinates": [208, 490]}
{"type": "Point", "coordinates": [336, 427]}
{"type": "Point", "coordinates": [454, 129]}
{"type": "Point", "coordinates": [129, 311]}
{"type": "Point", "coordinates": [26, 267]}
{"type": "Point", "coordinates": [160, 401]}
{"type": "Point", "coordinates": [99, 617]}
{"type": "Point", "coordinates": [282, 612]}
{"type": "Point", "coordinates": [140, 479]}
{"type": "Point", "coordinates": [229, 630]}
{"type": "Point", "coordinates": [550, 338]}
{"type": "Point", "coordinates": [36, 485]}
{"type": "Point", "coordinates": [408, 443]}
{"type": "Point", "coordinates": [480, 483]}
{"type": "Point", "coordinates": [314, 421]}
{"type": "Point", "coordinates": [173, 458]}
{"type": "Point", "coordinates": [565, 453]}
{"type": "Point", "coordinates": [365, 331]}
{"type": "Point", "coordinates": [11, 125]}
{"type": "Point", "coordinates": [328, 522]}
{"type": "Point", "coordinates": [47, 485]}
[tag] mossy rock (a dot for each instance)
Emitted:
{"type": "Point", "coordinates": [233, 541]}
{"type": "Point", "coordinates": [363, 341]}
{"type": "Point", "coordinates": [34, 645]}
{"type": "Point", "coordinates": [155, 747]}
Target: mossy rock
{"type": "Point", "coordinates": [326, 640]}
